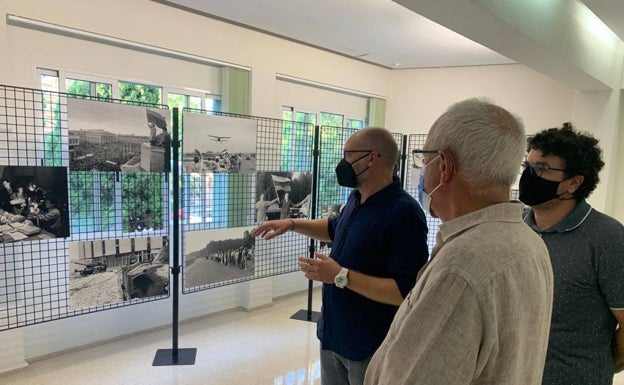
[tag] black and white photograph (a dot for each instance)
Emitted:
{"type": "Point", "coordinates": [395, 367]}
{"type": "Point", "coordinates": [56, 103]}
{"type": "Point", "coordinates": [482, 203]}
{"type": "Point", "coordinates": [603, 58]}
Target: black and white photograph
{"type": "Point", "coordinates": [282, 195]}
{"type": "Point", "coordinates": [111, 271]}
{"type": "Point", "coordinates": [218, 255]}
{"type": "Point", "coordinates": [33, 203]}
{"type": "Point", "coordinates": [329, 211]}
{"type": "Point", "coordinates": [218, 144]}
{"type": "Point", "coordinates": [107, 136]}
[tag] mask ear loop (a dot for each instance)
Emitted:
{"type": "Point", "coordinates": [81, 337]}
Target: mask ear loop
{"type": "Point", "coordinates": [565, 192]}
{"type": "Point", "coordinates": [453, 166]}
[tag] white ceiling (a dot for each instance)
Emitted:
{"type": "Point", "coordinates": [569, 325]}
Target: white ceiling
{"type": "Point", "coordinates": [376, 31]}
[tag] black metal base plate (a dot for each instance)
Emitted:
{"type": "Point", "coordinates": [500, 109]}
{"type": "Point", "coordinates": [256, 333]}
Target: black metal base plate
{"type": "Point", "coordinates": [302, 315]}
{"type": "Point", "coordinates": [164, 357]}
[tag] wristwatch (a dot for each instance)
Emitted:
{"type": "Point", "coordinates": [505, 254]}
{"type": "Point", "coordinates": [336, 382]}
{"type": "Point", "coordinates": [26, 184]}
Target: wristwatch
{"type": "Point", "coordinates": [341, 278]}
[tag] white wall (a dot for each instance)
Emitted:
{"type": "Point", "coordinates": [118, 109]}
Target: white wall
{"type": "Point", "coordinates": [418, 97]}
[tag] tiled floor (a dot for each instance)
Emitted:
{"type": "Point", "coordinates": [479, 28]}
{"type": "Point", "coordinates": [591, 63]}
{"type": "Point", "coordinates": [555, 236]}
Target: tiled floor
{"type": "Point", "coordinates": [247, 348]}
{"type": "Point", "coordinates": [234, 348]}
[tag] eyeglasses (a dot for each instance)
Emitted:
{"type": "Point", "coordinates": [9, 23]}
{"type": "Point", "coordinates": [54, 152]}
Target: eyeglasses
{"type": "Point", "coordinates": [418, 157]}
{"type": "Point", "coordinates": [539, 168]}
{"type": "Point", "coordinates": [345, 152]}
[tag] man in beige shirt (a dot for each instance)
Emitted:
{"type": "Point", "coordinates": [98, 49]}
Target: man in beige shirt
{"type": "Point", "coordinates": [480, 310]}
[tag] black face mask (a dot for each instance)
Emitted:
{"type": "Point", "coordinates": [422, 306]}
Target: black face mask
{"type": "Point", "coordinates": [346, 174]}
{"type": "Point", "coordinates": [535, 190]}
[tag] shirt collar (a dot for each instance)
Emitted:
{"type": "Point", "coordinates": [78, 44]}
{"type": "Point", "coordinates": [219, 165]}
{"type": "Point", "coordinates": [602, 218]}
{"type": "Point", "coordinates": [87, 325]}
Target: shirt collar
{"type": "Point", "coordinates": [501, 212]}
{"type": "Point", "coordinates": [576, 217]}
{"type": "Point", "coordinates": [382, 195]}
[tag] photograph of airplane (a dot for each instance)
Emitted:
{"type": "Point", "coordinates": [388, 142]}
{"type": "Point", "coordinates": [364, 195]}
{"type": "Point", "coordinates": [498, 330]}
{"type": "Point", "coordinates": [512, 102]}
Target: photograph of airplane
{"type": "Point", "coordinates": [218, 144]}
{"type": "Point", "coordinates": [218, 138]}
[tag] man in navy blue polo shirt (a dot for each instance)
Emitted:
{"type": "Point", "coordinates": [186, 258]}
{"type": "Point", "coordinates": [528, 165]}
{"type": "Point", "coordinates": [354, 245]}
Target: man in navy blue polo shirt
{"type": "Point", "coordinates": [586, 247]}
{"type": "Point", "coordinates": [379, 243]}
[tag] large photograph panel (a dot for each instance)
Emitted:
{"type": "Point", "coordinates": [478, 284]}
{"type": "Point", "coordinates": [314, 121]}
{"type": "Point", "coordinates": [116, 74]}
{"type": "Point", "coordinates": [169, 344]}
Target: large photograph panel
{"type": "Point", "coordinates": [218, 144]}
{"type": "Point", "coordinates": [282, 195]}
{"type": "Point", "coordinates": [106, 272]}
{"type": "Point", "coordinates": [107, 136]}
{"type": "Point", "coordinates": [33, 203]}
{"type": "Point", "coordinates": [214, 256]}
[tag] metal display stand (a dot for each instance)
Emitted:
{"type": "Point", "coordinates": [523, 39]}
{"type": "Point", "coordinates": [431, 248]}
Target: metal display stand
{"type": "Point", "coordinates": [303, 314]}
{"type": "Point", "coordinates": [175, 356]}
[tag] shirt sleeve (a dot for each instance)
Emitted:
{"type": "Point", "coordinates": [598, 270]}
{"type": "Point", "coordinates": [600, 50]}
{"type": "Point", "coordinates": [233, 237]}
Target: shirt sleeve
{"type": "Point", "coordinates": [610, 266]}
{"type": "Point", "coordinates": [331, 226]}
{"type": "Point", "coordinates": [407, 250]}
{"type": "Point", "coordinates": [441, 324]}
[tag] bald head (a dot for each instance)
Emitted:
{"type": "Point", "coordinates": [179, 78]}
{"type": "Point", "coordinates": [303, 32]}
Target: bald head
{"type": "Point", "coordinates": [380, 140]}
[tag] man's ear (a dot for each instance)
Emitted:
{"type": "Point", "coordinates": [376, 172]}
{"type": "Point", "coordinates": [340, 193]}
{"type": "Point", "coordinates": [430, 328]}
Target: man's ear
{"type": "Point", "coordinates": [574, 183]}
{"type": "Point", "coordinates": [373, 158]}
{"type": "Point", "coordinates": [446, 167]}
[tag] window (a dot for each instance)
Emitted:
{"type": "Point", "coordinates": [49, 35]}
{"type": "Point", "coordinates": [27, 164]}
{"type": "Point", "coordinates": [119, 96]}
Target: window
{"type": "Point", "coordinates": [176, 100]}
{"type": "Point", "coordinates": [103, 91]}
{"type": "Point", "coordinates": [195, 102]}
{"type": "Point", "coordinates": [213, 104]}
{"type": "Point", "coordinates": [49, 80]}
{"type": "Point", "coordinates": [51, 117]}
{"type": "Point", "coordinates": [135, 92]}
{"type": "Point", "coordinates": [297, 138]}
{"type": "Point", "coordinates": [333, 120]}
{"type": "Point", "coordinates": [355, 123]}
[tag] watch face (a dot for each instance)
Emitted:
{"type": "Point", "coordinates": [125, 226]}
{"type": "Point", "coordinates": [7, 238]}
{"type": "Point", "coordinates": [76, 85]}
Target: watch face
{"type": "Point", "coordinates": [341, 279]}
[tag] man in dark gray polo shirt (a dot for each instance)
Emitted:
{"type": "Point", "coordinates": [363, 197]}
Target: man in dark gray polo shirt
{"type": "Point", "coordinates": [586, 248]}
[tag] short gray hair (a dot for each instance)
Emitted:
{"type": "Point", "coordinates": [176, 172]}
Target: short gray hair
{"type": "Point", "coordinates": [487, 141]}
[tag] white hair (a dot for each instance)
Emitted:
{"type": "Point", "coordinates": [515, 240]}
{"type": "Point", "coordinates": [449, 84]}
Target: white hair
{"type": "Point", "coordinates": [487, 142]}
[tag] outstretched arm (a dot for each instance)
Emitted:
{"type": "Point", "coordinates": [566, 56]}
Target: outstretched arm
{"type": "Point", "coordinates": [316, 228]}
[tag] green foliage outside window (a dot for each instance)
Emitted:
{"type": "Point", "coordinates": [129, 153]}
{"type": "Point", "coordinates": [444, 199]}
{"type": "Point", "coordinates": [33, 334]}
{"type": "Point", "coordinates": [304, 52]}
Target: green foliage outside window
{"type": "Point", "coordinates": [78, 87]}
{"type": "Point", "coordinates": [82, 201]}
{"type": "Point", "coordinates": [133, 92]}
{"type": "Point", "coordinates": [331, 145]}
{"type": "Point", "coordinates": [142, 197]}
{"type": "Point", "coordinates": [102, 91]}
{"type": "Point", "coordinates": [333, 120]}
{"type": "Point", "coordinates": [354, 123]}
{"type": "Point", "coordinates": [332, 140]}
{"type": "Point", "coordinates": [297, 140]}
{"type": "Point", "coordinates": [176, 100]}
{"type": "Point", "coordinates": [107, 200]}
{"type": "Point", "coordinates": [53, 154]}
{"type": "Point", "coordinates": [195, 102]}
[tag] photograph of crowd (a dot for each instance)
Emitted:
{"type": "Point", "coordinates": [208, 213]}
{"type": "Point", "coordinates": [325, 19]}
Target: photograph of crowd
{"type": "Point", "coordinates": [115, 270]}
{"type": "Point", "coordinates": [33, 203]}
{"type": "Point", "coordinates": [117, 137]}
{"type": "Point", "coordinates": [218, 144]}
{"type": "Point", "coordinates": [218, 255]}
{"type": "Point", "coordinates": [282, 195]}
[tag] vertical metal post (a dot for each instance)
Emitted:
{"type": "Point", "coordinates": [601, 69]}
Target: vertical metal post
{"type": "Point", "coordinates": [175, 356]}
{"type": "Point", "coordinates": [309, 315]}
